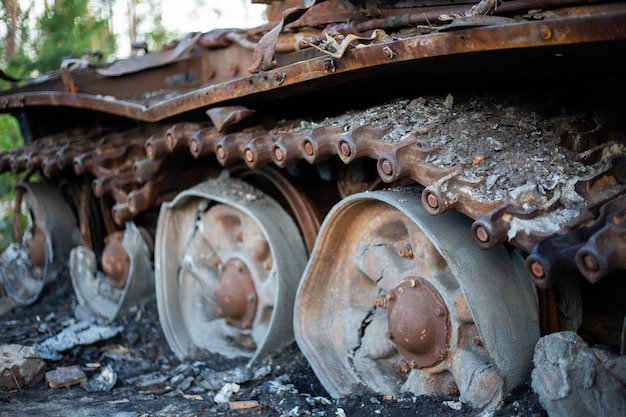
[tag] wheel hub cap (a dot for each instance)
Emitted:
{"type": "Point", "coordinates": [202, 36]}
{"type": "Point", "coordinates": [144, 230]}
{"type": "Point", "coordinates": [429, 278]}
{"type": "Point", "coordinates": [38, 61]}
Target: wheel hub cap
{"type": "Point", "coordinates": [236, 295]}
{"type": "Point", "coordinates": [418, 322]}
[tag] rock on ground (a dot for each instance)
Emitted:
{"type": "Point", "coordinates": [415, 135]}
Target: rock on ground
{"type": "Point", "coordinates": [573, 379]}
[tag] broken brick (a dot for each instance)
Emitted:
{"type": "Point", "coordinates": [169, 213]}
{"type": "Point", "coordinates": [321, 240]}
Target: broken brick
{"type": "Point", "coordinates": [20, 366]}
{"type": "Point", "coordinates": [66, 376]}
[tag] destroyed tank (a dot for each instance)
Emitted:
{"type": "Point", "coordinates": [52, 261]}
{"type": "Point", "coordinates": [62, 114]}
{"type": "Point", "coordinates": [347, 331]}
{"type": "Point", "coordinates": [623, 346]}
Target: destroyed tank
{"type": "Point", "coordinates": [414, 191]}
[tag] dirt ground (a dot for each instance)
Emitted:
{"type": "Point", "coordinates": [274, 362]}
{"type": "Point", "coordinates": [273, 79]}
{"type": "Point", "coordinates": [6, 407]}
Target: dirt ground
{"type": "Point", "coordinates": [151, 381]}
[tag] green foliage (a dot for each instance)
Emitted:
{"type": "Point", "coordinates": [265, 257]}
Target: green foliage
{"type": "Point", "coordinates": [71, 27]}
{"type": "Point", "coordinates": [6, 223]}
{"type": "Point", "coordinates": [21, 65]}
{"type": "Point", "coordinates": [158, 37]}
{"type": "Point", "coordinates": [6, 227]}
{"type": "Point", "coordinates": [5, 237]}
{"type": "Point", "coordinates": [10, 137]}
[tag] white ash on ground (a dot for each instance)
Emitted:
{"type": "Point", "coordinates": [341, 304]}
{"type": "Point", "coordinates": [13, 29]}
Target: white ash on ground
{"type": "Point", "coordinates": [133, 372]}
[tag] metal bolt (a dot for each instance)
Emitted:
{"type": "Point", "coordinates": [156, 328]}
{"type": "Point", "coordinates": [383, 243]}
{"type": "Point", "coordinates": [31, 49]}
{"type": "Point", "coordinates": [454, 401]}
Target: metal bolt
{"type": "Point", "coordinates": [477, 341]}
{"type": "Point", "coordinates": [308, 148]}
{"type": "Point", "coordinates": [451, 389]}
{"type": "Point", "coordinates": [380, 302]}
{"type": "Point", "coordinates": [482, 234]}
{"type": "Point", "coordinates": [389, 336]}
{"type": "Point", "coordinates": [345, 149]}
{"type": "Point", "coordinates": [537, 269]}
{"type": "Point", "coordinates": [545, 33]}
{"type": "Point", "coordinates": [440, 312]}
{"type": "Point", "coordinates": [432, 201]}
{"type": "Point", "coordinates": [406, 252]}
{"type": "Point", "coordinates": [590, 262]}
{"type": "Point", "coordinates": [389, 53]}
{"type": "Point", "coordinates": [250, 298]}
{"type": "Point", "coordinates": [386, 167]}
{"type": "Point", "coordinates": [329, 65]}
{"type": "Point", "coordinates": [402, 368]}
{"type": "Point", "coordinates": [278, 154]}
{"type": "Point", "coordinates": [169, 140]}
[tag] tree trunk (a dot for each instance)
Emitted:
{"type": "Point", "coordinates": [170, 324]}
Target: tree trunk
{"type": "Point", "coordinates": [133, 22]}
{"type": "Point", "coordinates": [11, 13]}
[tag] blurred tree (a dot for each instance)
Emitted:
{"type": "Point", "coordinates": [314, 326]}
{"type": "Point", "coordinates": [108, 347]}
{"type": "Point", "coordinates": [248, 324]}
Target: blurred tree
{"type": "Point", "coordinates": [71, 27]}
{"type": "Point", "coordinates": [15, 39]}
{"type": "Point", "coordinates": [10, 137]}
{"type": "Point", "coordinates": [145, 24]}
{"type": "Point", "coordinates": [11, 10]}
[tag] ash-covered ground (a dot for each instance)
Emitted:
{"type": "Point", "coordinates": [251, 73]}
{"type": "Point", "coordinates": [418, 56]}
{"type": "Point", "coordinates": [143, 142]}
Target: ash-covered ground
{"type": "Point", "coordinates": [134, 373]}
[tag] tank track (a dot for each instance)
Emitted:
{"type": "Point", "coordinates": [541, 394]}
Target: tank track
{"type": "Point", "coordinates": [521, 175]}
{"type": "Point", "coordinates": [390, 232]}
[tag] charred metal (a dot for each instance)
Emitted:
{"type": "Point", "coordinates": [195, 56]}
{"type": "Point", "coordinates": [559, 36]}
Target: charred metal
{"type": "Point", "coordinates": [413, 190]}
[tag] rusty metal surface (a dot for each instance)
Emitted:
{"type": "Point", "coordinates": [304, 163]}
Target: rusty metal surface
{"type": "Point", "coordinates": [544, 180]}
{"type": "Point", "coordinates": [595, 250]}
{"type": "Point", "coordinates": [115, 260]}
{"type": "Point", "coordinates": [229, 259]}
{"type": "Point", "coordinates": [236, 295]}
{"type": "Point", "coordinates": [155, 59]}
{"type": "Point", "coordinates": [301, 208]}
{"type": "Point", "coordinates": [395, 300]}
{"type": "Point", "coordinates": [604, 23]}
{"type": "Point", "coordinates": [126, 279]}
{"type": "Point", "coordinates": [38, 256]}
{"type": "Point", "coordinates": [491, 179]}
{"type": "Point", "coordinates": [418, 322]}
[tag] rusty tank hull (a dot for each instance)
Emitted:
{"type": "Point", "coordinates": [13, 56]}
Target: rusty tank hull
{"type": "Point", "coordinates": [416, 191]}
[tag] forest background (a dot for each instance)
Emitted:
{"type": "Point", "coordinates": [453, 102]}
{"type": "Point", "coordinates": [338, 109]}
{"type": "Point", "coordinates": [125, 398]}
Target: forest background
{"type": "Point", "coordinates": [36, 35]}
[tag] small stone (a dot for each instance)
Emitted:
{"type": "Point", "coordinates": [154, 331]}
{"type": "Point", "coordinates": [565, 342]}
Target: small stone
{"type": "Point", "coordinates": [104, 381]}
{"type": "Point", "coordinates": [226, 392]}
{"type": "Point", "coordinates": [65, 377]}
{"type": "Point", "coordinates": [20, 366]}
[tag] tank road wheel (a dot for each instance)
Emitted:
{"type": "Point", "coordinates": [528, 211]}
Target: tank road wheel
{"type": "Point", "coordinates": [125, 279]}
{"type": "Point", "coordinates": [394, 300]}
{"type": "Point", "coordinates": [228, 261]}
{"type": "Point", "coordinates": [39, 255]}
